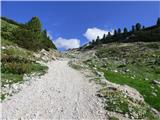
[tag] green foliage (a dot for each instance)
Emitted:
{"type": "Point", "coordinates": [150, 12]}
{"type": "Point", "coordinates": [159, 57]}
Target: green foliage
{"type": "Point", "coordinates": [138, 33]}
{"type": "Point", "coordinates": [16, 62]}
{"type": "Point", "coordinates": [133, 28]}
{"type": "Point", "coordinates": [117, 101]}
{"type": "Point", "coordinates": [138, 26]}
{"type": "Point", "coordinates": [137, 65]}
{"type": "Point", "coordinates": [125, 30]}
{"type": "Point", "coordinates": [29, 36]}
{"type": "Point", "coordinates": [142, 86]}
{"type": "Point", "coordinates": [158, 21]}
{"type": "Point", "coordinates": [11, 21]}
{"type": "Point", "coordinates": [119, 31]}
{"type": "Point", "coordinates": [13, 78]}
{"type": "Point", "coordinates": [34, 24]}
{"type": "Point", "coordinates": [109, 34]}
{"type": "Point", "coordinates": [113, 118]}
{"type": "Point", "coordinates": [115, 32]}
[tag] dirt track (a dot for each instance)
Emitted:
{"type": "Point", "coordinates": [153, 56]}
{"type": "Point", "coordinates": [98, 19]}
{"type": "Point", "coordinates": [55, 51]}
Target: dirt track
{"type": "Point", "coordinates": [61, 94]}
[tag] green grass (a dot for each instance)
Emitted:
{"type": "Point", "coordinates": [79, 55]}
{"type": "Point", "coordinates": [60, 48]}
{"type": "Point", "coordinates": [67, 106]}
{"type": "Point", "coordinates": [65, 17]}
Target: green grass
{"type": "Point", "coordinates": [13, 78]}
{"type": "Point", "coordinates": [15, 63]}
{"type": "Point", "coordinates": [5, 42]}
{"type": "Point", "coordinates": [7, 26]}
{"type": "Point", "coordinates": [17, 52]}
{"type": "Point", "coordinates": [113, 118]}
{"type": "Point", "coordinates": [144, 87]}
{"type": "Point", "coordinates": [142, 60]}
{"type": "Point", "coordinates": [36, 67]}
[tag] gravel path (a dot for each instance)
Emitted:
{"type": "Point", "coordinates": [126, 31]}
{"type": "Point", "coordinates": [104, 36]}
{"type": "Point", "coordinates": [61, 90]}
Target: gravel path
{"type": "Point", "coordinates": [61, 94]}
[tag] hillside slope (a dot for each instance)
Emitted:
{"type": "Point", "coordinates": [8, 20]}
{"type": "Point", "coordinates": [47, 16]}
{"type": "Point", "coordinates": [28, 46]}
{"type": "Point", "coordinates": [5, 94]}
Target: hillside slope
{"type": "Point", "coordinates": [148, 34]}
{"type": "Point", "coordinates": [125, 59]}
{"type": "Point", "coordinates": [23, 48]}
{"type": "Point", "coordinates": [29, 35]}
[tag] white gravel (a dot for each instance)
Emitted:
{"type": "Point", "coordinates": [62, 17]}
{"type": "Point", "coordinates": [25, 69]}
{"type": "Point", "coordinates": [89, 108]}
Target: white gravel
{"type": "Point", "coordinates": [61, 94]}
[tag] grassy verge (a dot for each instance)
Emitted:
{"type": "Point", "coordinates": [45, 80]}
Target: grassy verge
{"type": "Point", "coordinates": [144, 87]}
{"type": "Point", "coordinates": [15, 63]}
{"type": "Point", "coordinates": [136, 65]}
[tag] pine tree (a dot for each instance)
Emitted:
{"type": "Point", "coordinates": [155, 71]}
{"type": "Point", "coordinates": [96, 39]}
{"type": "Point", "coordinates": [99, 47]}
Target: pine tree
{"type": "Point", "coordinates": [158, 21]}
{"type": "Point", "coordinates": [34, 24]}
{"type": "Point", "coordinates": [98, 40]}
{"type": "Point", "coordinates": [104, 37]}
{"type": "Point", "coordinates": [133, 28]}
{"type": "Point", "coordinates": [119, 31]}
{"type": "Point", "coordinates": [109, 34]}
{"type": "Point", "coordinates": [138, 26]}
{"type": "Point", "coordinates": [125, 30]}
{"type": "Point", "coordinates": [115, 32]}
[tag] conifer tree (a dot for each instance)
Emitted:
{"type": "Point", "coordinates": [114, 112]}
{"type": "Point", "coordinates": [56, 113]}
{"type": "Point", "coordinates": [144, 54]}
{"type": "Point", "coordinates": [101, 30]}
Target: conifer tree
{"type": "Point", "coordinates": [158, 21]}
{"type": "Point", "coordinates": [138, 26]}
{"type": "Point", "coordinates": [133, 28]}
{"type": "Point", "coordinates": [109, 34]}
{"type": "Point", "coordinates": [115, 32]}
{"type": "Point", "coordinates": [104, 37]}
{"type": "Point", "coordinates": [119, 31]}
{"type": "Point", "coordinates": [125, 30]}
{"type": "Point", "coordinates": [34, 24]}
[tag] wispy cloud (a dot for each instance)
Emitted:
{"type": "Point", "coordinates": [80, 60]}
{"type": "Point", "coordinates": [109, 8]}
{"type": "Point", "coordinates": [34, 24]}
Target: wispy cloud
{"type": "Point", "coordinates": [63, 43]}
{"type": "Point", "coordinates": [49, 34]}
{"type": "Point", "coordinates": [92, 33]}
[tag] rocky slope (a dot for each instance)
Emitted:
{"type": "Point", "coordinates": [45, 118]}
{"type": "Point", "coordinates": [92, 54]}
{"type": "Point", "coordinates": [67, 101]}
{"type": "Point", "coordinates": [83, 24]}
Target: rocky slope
{"type": "Point", "coordinates": [122, 86]}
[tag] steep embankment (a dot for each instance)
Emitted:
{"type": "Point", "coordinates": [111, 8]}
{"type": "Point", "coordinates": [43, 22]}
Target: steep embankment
{"type": "Point", "coordinates": [62, 93]}
{"type": "Point", "coordinates": [22, 47]}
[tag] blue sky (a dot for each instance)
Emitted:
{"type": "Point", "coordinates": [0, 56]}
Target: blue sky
{"type": "Point", "coordinates": [71, 23]}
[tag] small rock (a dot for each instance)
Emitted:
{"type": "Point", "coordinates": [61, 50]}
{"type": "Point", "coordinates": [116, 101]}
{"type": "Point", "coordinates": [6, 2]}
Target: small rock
{"type": "Point", "coordinates": [156, 82]}
{"type": "Point", "coordinates": [153, 93]}
{"type": "Point", "coordinates": [155, 111]}
{"type": "Point", "coordinates": [100, 74]}
{"type": "Point", "coordinates": [15, 86]}
{"type": "Point", "coordinates": [103, 81]}
{"type": "Point", "coordinates": [146, 79]}
{"type": "Point", "coordinates": [115, 71]}
{"type": "Point", "coordinates": [132, 117]}
{"type": "Point", "coordinates": [3, 48]}
{"type": "Point", "coordinates": [126, 115]}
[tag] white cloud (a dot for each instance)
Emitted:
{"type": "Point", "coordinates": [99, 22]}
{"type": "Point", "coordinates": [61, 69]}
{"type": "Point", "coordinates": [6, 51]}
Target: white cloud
{"type": "Point", "coordinates": [92, 33]}
{"type": "Point", "coordinates": [67, 43]}
{"type": "Point", "coordinates": [49, 35]}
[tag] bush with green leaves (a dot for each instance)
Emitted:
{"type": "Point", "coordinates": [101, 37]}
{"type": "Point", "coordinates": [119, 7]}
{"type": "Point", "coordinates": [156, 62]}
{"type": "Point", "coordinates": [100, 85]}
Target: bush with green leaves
{"type": "Point", "coordinates": [29, 36]}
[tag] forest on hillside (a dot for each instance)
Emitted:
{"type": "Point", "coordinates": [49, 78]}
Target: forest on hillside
{"type": "Point", "coordinates": [29, 35]}
{"type": "Point", "coordinates": [138, 33]}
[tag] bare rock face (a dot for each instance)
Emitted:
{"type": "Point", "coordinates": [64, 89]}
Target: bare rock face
{"type": "Point", "coordinates": [47, 55]}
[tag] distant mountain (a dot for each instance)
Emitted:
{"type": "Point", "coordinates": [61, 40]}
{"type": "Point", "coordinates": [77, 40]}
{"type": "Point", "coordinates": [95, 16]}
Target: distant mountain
{"type": "Point", "coordinates": [138, 34]}
{"type": "Point", "coordinates": [30, 35]}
